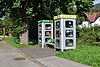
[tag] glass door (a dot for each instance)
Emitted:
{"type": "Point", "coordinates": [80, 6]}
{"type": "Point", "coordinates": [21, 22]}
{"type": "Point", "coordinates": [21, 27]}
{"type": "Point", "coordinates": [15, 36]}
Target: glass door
{"type": "Point", "coordinates": [69, 33]}
{"type": "Point", "coordinates": [57, 33]}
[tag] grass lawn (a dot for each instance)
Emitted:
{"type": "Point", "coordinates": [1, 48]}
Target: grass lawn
{"type": "Point", "coordinates": [17, 45]}
{"type": "Point", "coordinates": [85, 54]}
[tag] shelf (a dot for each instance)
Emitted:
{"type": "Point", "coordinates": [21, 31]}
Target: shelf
{"type": "Point", "coordinates": [69, 33]}
{"type": "Point", "coordinates": [39, 34]}
{"type": "Point", "coordinates": [69, 38]}
{"type": "Point", "coordinates": [39, 43]}
{"type": "Point", "coordinates": [40, 25]}
{"type": "Point", "coordinates": [47, 39]}
{"type": "Point", "coordinates": [57, 37]}
{"type": "Point", "coordinates": [69, 28]}
{"type": "Point", "coordinates": [57, 29]}
{"type": "Point", "coordinates": [39, 37]}
{"type": "Point", "coordinates": [47, 26]}
{"type": "Point", "coordinates": [57, 24]}
{"type": "Point", "coordinates": [57, 43]}
{"type": "Point", "coordinates": [47, 33]}
{"type": "Point", "coordinates": [58, 33]}
{"type": "Point", "coordinates": [39, 28]}
{"type": "Point", "coordinates": [69, 24]}
{"type": "Point", "coordinates": [57, 47]}
{"type": "Point", "coordinates": [48, 36]}
{"type": "Point", "coordinates": [69, 42]}
{"type": "Point", "coordinates": [48, 30]}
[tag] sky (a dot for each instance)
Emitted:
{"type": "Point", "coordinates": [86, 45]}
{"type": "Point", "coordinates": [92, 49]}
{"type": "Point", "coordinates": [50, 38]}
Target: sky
{"type": "Point", "coordinates": [96, 1]}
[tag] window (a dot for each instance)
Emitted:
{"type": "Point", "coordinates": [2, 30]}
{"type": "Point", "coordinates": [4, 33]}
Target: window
{"type": "Point", "coordinates": [47, 39]}
{"type": "Point", "coordinates": [68, 24]}
{"type": "Point", "coordinates": [69, 33]}
{"type": "Point", "coordinates": [39, 26]}
{"type": "Point", "coordinates": [48, 33]}
{"type": "Point", "coordinates": [48, 26]}
{"type": "Point", "coordinates": [69, 43]}
{"type": "Point", "coordinates": [57, 43]}
{"type": "Point", "coordinates": [58, 33]}
{"type": "Point", "coordinates": [57, 24]}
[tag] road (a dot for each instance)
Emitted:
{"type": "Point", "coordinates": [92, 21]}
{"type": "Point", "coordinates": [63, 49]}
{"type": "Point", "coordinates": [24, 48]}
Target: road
{"type": "Point", "coordinates": [11, 57]}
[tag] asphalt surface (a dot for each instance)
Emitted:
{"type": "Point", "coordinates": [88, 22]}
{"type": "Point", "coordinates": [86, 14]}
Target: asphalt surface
{"type": "Point", "coordinates": [38, 52]}
{"type": "Point", "coordinates": [32, 57]}
{"type": "Point", "coordinates": [47, 57]}
{"type": "Point", "coordinates": [12, 57]}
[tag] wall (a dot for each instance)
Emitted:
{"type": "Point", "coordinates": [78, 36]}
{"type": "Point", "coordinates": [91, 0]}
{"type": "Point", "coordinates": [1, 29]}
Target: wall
{"type": "Point", "coordinates": [97, 22]}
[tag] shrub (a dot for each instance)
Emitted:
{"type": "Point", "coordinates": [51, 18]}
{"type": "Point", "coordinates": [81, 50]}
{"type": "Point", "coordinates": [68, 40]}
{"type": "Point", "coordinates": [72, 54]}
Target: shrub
{"type": "Point", "coordinates": [89, 35]}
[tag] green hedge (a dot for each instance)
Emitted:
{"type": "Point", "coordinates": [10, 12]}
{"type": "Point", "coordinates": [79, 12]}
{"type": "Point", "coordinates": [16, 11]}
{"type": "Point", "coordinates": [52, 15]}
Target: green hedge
{"type": "Point", "coordinates": [89, 35]}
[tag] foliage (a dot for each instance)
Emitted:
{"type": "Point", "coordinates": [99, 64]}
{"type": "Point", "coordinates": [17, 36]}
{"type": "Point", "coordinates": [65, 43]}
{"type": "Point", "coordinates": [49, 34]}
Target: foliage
{"type": "Point", "coordinates": [85, 54]}
{"type": "Point", "coordinates": [17, 45]}
{"type": "Point", "coordinates": [77, 28]}
{"type": "Point", "coordinates": [16, 4]}
{"type": "Point", "coordinates": [84, 6]}
{"type": "Point", "coordinates": [22, 12]}
{"type": "Point", "coordinates": [33, 42]}
{"type": "Point", "coordinates": [2, 8]}
{"type": "Point", "coordinates": [1, 32]}
{"type": "Point", "coordinates": [17, 30]}
{"type": "Point", "coordinates": [30, 8]}
{"type": "Point", "coordinates": [88, 47]}
{"type": "Point", "coordinates": [13, 27]}
{"type": "Point", "coordinates": [58, 11]}
{"type": "Point", "coordinates": [91, 34]}
{"type": "Point", "coordinates": [72, 9]}
{"type": "Point", "coordinates": [81, 19]}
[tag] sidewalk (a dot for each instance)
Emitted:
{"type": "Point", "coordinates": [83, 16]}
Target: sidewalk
{"type": "Point", "coordinates": [32, 57]}
{"type": "Point", "coordinates": [12, 57]}
{"type": "Point", "coordinates": [47, 57]}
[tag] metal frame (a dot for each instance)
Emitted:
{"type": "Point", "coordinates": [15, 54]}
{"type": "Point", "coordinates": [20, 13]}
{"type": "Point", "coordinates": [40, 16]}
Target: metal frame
{"type": "Point", "coordinates": [62, 29]}
{"type": "Point", "coordinates": [43, 30]}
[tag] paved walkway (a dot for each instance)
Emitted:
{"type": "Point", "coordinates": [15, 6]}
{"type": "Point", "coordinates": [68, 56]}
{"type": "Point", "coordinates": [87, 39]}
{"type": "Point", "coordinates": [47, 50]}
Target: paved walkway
{"type": "Point", "coordinates": [47, 57]}
{"type": "Point", "coordinates": [12, 57]}
{"type": "Point", "coordinates": [38, 52]}
{"type": "Point", "coordinates": [32, 57]}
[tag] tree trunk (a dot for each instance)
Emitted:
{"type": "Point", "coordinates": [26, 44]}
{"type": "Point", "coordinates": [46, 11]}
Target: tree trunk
{"type": "Point", "coordinates": [24, 38]}
{"type": "Point", "coordinates": [10, 35]}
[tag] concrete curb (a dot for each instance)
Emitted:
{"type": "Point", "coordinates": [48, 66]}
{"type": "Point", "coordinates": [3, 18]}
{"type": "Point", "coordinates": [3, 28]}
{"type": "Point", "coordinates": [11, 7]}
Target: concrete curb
{"type": "Point", "coordinates": [32, 59]}
{"type": "Point", "coordinates": [26, 56]}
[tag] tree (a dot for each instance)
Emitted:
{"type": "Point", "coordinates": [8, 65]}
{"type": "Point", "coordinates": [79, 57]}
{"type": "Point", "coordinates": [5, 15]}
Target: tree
{"type": "Point", "coordinates": [84, 6]}
{"type": "Point", "coordinates": [23, 12]}
{"type": "Point", "coordinates": [72, 9]}
{"type": "Point", "coordinates": [2, 8]}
